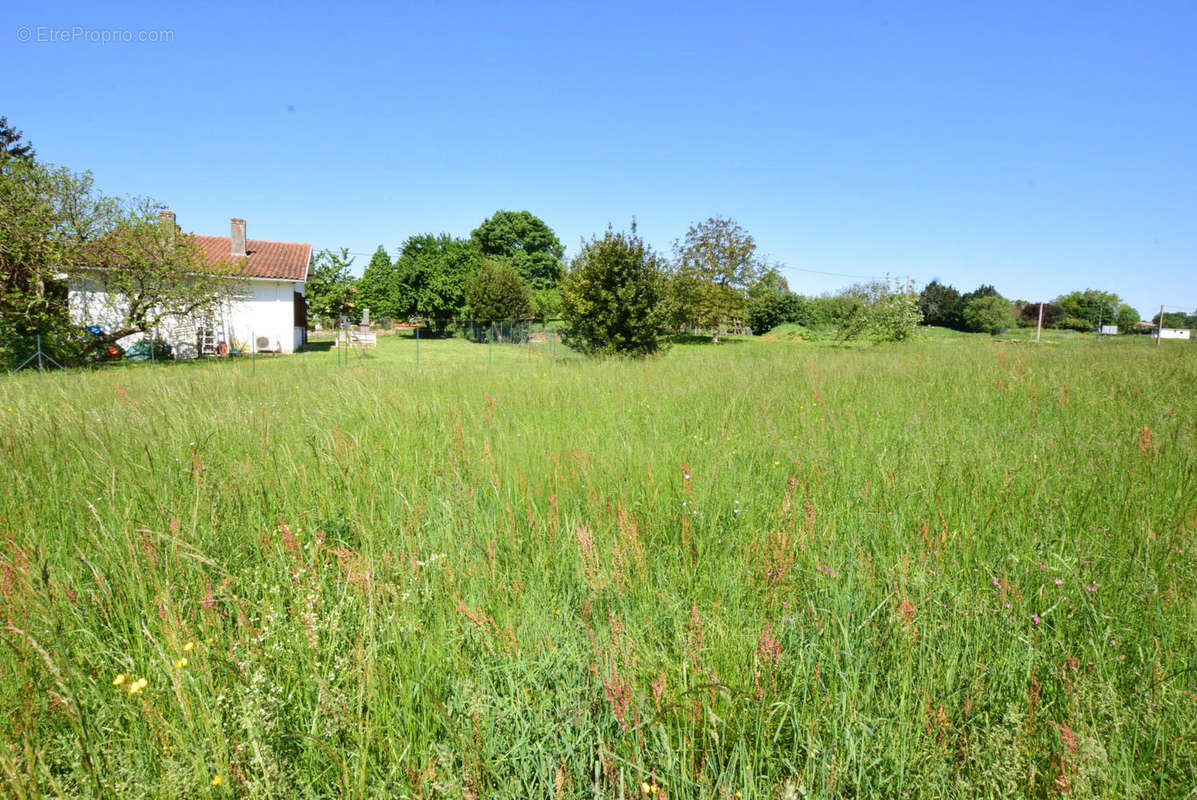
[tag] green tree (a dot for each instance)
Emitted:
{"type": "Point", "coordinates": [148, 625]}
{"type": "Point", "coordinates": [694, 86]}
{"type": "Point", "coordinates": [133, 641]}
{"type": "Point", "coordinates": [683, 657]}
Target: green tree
{"type": "Point", "coordinates": [12, 144]}
{"type": "Point", "coordinates": [769, 282]}
{"type": "Point", "coordinates": [432, 275]}
{"type": "Point", "coordinates": [524, 241]}
{"type": "Point", "coordinates": [716, 264]}
{"type": "Point", "coordinates": [612, 297]}
{"type": "Point", "coordinates": [1127, 318]}
{"type": "Point", "coordinates": [767, 311]}
{"type": "Point", "coordinates": [496, 292]}
{"type": "Point", "coordinates": [989, 313]}
{"type": "Point", "coordinates": [546, 304]}
{"type": "Point", "coordinates": [1091, 305]}
{"type": "Point", "coordinates": [55, 230]}
{"type": "Point", "coordinates": [144, 272]}
{"type": "Point", "coordinates": [940, 304]}
{"type": "Point", "coordinates": [330, 289]}
{"type": "Point", "coordinates": [378, 289]}
{"type": "Point", "coordinates": [877, 310]}
{"type": "Point", "coordinates": [1172, 319]}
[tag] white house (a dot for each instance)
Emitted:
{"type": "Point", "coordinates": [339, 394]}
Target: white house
{"type": "Point", "coordinates": [269, 312]}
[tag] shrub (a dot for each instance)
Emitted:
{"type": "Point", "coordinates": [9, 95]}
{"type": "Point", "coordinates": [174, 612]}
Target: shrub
{"type": "Point", "coordinates": [496, 292]}
{"type": "Point", "coordinates": [990, 313]}
{"type": "Point", "coordinates": [878, 311]}
{"type": "Point", "coordinates": [612, 297]}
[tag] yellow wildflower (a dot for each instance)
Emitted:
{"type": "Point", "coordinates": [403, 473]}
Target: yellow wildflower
{"type": "Point", "coordinates": [645, 788]}
{"type": "Point", "coordinates": [182, 662]}
{"type": "Point", "coordinates": [136, 686]}
{"type": "Point", "coordinates": [187, 648]}
{"type": "Point", "coordinates": [119, 679]}
{"type": "Point", "coordinates": [217, 780]}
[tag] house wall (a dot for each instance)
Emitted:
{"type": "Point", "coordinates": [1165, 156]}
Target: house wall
{"type": "Point", "coordinates": [263, 309]}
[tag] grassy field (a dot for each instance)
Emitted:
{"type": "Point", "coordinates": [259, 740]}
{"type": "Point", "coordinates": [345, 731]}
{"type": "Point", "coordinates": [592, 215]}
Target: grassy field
{"type": "Point", "coordinates": [764, 569]}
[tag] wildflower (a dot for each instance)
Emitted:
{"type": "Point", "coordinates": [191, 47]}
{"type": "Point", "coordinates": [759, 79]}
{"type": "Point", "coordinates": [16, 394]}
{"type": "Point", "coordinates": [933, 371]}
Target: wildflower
{"type": "Point", "coordinates": [136, 686]}
{"type": "Point", "coordinates": [182, 662]}
{"type": "Point", "coordinates": [645, 788]}
{"type": "Point", "coordinates": [119, 679]}
{"type": "Point", "coordinates": [217, 780]}
{"type": "Point", "coordinates": [187, 648]}
{"type": "Point", "coordinates": [1059, 581]}
{"type": "Point", "coordinates": [1035, 618]}
{"type": "Point", "coordinates": [994, 581]}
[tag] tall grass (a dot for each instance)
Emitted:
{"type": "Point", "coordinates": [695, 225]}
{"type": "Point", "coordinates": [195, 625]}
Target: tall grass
{"type": "Point", "coordinates": [758, 570]}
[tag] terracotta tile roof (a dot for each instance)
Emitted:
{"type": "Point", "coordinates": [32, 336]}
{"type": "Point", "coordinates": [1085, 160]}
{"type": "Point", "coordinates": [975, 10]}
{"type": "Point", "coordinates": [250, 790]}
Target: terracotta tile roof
{"type": "Point", "coordinates": [284, 260]}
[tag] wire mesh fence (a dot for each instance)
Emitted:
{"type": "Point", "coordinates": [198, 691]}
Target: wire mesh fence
{"type": "Point", "coordinates": [443, 341]}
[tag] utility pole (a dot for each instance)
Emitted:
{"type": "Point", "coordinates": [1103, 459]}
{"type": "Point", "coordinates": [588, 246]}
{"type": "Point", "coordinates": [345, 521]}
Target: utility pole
{"type": "Point", "coordinates": [1039, 325]}
{"type": "Point", "coordinates": [1160, 327]}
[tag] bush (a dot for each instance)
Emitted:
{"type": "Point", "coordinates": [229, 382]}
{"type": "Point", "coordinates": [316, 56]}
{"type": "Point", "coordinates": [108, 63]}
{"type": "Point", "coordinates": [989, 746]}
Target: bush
{"type": "Point", "coordinates": [1074, 324]}
{"type": "Point", "coordinates": [878, 311]}
{"type": "Point", "coordinates": [612, 297]}
{"type": "Point", "coordinates": [990, 313]}
{"type": "Point", "coordinates": [775, 308]}
{"type": "Point", "coordinates": [546, 304]}
{"type": "Point", "coordinates": [496, 292]}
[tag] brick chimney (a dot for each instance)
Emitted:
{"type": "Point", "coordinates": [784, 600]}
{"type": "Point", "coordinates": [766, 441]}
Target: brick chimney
{"type": "Point", "coordinates": [238, 238]}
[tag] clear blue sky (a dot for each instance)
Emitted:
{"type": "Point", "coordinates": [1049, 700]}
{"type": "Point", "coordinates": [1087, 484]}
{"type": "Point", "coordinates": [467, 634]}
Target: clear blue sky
{"type": "Point", "coordinates": [1041, 147]}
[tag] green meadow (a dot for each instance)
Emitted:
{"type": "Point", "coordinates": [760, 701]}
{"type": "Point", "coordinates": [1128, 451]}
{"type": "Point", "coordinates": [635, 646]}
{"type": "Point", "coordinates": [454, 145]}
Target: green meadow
{"type": "Point", "coordinates": [950, 568]}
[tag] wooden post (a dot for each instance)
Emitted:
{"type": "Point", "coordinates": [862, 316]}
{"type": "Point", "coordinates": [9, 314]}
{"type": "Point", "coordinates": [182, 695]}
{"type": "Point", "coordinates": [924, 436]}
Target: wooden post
{"type": "Point", "coordinates": [1039, 326]}
{"type": "Point", "coordinates": [1159, 328]}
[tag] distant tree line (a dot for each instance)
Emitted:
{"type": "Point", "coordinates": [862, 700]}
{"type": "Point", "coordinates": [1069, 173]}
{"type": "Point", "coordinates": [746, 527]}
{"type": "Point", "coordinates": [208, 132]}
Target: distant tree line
{"type": "Point", "coordinates": [617, 295]}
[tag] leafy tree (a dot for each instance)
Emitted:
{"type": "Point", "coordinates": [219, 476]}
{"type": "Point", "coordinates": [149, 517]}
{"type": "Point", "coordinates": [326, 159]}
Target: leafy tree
{"type": "Point", "coordinates": [11, 143]}
{"type": "Point", "coordinates": [330, 289]}
{"type": "Point", "coordinates": [1029, 314]}
{"type": "Point", "coordinates": [771, 303]}
{"type": "Point", "coordinates": [378, 289]}
{"type": "Point", "coordinates": [716, 264]}
{"type": "Point", "coordinates": [524, 241]}
{"type": "Point", "coordinates": [767, 311]}
{"type": "Point", "coordinates": [1127, 318]}
{"type": "Point", "coordinates": [940, 305]}
{"type": "Point", "coordinates": [612, 297]}
{"type": "Point", "coordinates": [990, 313]}
{"type": "Point", "coordinates": [144, 272]}
{"type": "Point", "coordinates": [432, 276]}
{"type": "Point", "coordinates": [496, 292]}
{"type": "Point", "coordinates": [1173, 319]}
{"type": "Point", "coordinates": [46, 214]}
{"type": "Point", "coordinates": [984, 290]}
{"type": "Point", "coordinates": [878, 310]}
{"type": "Point", "coordinates": [1093, 306]}
{"type": "Point", "coordinates": [682, 300]}
{"type": "Point", "coordinates": [769, 282]}
{"type": "Point", "coordinates": [546, 304]}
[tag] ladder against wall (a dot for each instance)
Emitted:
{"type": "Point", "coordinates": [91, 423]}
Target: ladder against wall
{"type": "Point", "coordinates": [201, 339]}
